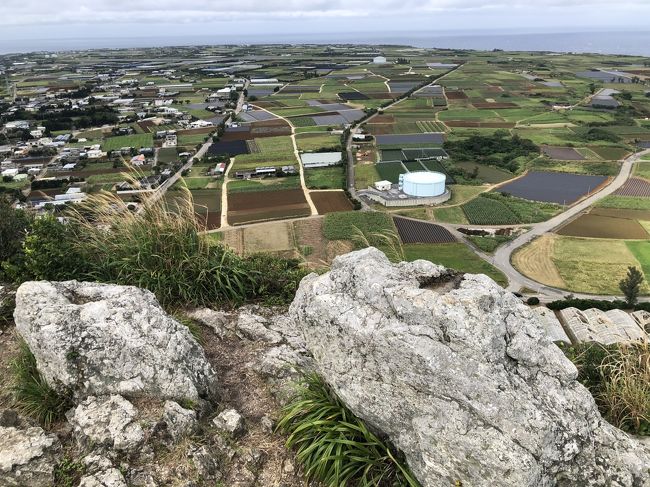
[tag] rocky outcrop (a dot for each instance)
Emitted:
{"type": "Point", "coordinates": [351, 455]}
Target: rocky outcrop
{"type": "Point", "coordinates": [28, 456]}
{"type": "Point", "coordinates": [106, 422]}
{"type": "Point", "coordinates": [97, 339]}
{"type": "Point", "coordinates": [458, 374]}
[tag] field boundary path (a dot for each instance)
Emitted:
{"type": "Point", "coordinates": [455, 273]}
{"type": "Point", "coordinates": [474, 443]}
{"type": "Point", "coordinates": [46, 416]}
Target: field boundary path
{"type": "Point", "coordinates": [503, 256]}
{"type": "Point", "coordinates": [224, 195]}
{"type": "Point", "coordinates": [296, 153]}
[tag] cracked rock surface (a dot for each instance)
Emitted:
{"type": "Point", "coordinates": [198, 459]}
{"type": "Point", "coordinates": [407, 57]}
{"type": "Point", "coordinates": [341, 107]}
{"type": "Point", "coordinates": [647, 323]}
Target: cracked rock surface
{"type": "Point", "coordinates": [458, 374]}
{"type": "Point", "coordinates": [98, 339]}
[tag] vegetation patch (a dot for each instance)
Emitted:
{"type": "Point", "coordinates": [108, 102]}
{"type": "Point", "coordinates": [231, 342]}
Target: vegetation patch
{"type": "Point", "coordinates": [347, 225]}
{"type": "Point", "coordinates": [334, 446]}
{"type": "Point", "coordinates": [32, 395]}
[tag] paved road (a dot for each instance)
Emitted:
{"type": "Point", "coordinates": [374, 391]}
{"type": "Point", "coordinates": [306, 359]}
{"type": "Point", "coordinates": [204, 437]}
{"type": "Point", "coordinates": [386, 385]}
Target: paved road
{"type": "Point", "coordinates": [502, 256]}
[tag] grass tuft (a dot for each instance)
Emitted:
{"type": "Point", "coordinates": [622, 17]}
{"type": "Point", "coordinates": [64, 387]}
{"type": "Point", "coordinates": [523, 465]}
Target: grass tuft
{"type": "Point", "coordinates": [32, 395]}
{"type": "Point", "coordinates": [335, 447]}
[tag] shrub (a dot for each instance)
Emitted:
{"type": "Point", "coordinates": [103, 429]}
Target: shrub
{"type": "Point", "coordinates": [532, 301]}
{"type": "Point", "coordinates": [32, 394]}
{"type": "Point", "coordinates": [51, 252]}
{"type": "Point", "coordinates": [335, 447]}
{"type": "Point", "coordinates": [14, 224]}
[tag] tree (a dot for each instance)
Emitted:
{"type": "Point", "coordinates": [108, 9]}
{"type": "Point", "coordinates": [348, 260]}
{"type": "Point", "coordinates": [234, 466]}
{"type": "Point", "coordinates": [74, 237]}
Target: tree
{"type": "Point", "coordinates": [631, 285]}
{"type": "Point", "coordinates": [13, 227]}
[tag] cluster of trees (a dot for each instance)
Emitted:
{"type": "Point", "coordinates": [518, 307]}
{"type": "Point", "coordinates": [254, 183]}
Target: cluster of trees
{"type": "Point", "coordinates": [66, 118]}
{"type": "Point", "coordinates": [496, 150]}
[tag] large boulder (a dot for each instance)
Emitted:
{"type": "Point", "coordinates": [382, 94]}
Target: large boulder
{"type": "Point", "coordinates": [97, 339]}
{"type": "Point", "coordinates": [458, 374]}
{"type": "Point", "coordinates": [28, 456]}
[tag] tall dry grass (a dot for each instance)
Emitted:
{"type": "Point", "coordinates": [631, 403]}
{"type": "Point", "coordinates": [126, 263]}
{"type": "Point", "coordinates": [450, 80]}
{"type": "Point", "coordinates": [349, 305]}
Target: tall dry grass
{"type": "Point", "coordinates": [161, 248]}
{"type": "Point", "coordinates": [625, 388]}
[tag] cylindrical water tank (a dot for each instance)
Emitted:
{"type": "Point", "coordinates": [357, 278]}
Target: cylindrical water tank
{"type": "Point", "coordinates": [424, 183]}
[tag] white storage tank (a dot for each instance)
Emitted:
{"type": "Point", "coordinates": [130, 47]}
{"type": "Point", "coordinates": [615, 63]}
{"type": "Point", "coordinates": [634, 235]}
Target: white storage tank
{"type": "Point", "coordinates": [423, 183]}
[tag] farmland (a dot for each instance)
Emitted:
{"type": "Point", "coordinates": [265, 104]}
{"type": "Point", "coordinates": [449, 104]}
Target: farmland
{"type": "Point", "coordinates": [252, 206]}
{"type": "Point", "coordinates": [330, 201]}
{"type": "Point", "coordinates": [413, 231]}
{"type": "Point", "coordinates": [553, 187]}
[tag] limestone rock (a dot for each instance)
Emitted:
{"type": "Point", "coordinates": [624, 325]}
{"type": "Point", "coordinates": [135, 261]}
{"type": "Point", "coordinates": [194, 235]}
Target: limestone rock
{"type": "Point", "coordinates": [229, 421]}
{"type": "Point", "coordinates": [98, 339]}
{"type": "Point", "coordinates": [254, 327]}
{"type": "Point", "coordinates": [180, 422]}
{"type": "Point", "coordinates": [107, 422]}
{"type": "Point", "coordinates": [28, 457]}
{"type": "Point", "coordinates": [219, 321]}
{"type": "Point", "coordinates": [459, 375]}
{"type": "Point", "coordinates": [205, 462]}
{"type": "Point", "coordinates": [111, 477]}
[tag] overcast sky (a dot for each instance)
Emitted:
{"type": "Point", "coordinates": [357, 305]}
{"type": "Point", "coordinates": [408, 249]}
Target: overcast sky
{"type": "Point", "coordinates": [41, 19]}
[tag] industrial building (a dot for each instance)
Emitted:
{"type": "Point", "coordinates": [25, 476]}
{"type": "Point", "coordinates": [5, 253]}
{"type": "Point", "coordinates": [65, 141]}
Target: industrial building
{"type": "Point", "coordinates": [414, 188]}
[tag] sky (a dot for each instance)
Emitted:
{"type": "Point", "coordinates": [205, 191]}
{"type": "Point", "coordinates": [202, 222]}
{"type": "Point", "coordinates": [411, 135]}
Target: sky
{"type": "Point", "coordinates": [52, 19]}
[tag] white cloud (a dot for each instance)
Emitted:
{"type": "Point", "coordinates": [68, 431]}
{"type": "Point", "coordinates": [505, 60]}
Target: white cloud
{"type": "Point", "coordinates": [39, 12]}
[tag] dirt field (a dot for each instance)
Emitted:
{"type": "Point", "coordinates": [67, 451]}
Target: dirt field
{"type": "Point", "coordinates": [248, 207]}
{"type": "Point", "coordinates": [562, 153]}
{"type": "Point", "coordinates": [330, 201]}
{"type": "Point", "coordinates": [456, 95]}
{"type": "Point", "coordinates": [535, 261]}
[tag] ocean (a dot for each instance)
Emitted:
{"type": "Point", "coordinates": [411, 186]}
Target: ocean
{"type": "Point", "coordinates": [631, 43]}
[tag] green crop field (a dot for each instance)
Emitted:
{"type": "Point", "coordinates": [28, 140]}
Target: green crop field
{"type": "Point", "coordinates": [325, 177]}
{"type": "Point", "coordinates": [625, 202]}
{"type": "Point", "coordinates": [455, 256]}
{"type": "Point", "coordinates": [137, 141]}
{"type": "Point", "coordinates": [390, 171]}
{"type": "Point", "coordinates": [344, 225]}
{"type": "Point", "coordinates": [488, 211]}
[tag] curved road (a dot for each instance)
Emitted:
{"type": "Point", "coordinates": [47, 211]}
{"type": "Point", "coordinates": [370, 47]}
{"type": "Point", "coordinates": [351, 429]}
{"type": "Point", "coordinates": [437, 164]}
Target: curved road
{"type": "Point", "coordinates": [501, 258]}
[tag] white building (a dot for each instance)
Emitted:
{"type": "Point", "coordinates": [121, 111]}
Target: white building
{"type": "Point", "coordinates": [383, 185]}
{"type": "Point", "coordinates": [379, 60]}
{"type": "Point", "coordinates": [320, 159]}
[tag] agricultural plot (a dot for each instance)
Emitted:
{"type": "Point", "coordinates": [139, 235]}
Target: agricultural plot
{"type": "Point", "coordinates": [346, 225]}
{"type": "Point", "coordinates": [488, 174]}
{"type": "Point", "coordinates": [561, 188]}
{"type": "Point", "coordinates": [405, 139]}
{"type": "Point", "coordinates": [137, 141]}
{"type": "Point", "coordinates": [330, 201]}
{"type": "Point", "coordinates": [454, 256]}
{"type": "Point", "coordinates": [487, 211]}
{"type": "Point", "coordinates": [252, 206]}
{"type": "Point", "coordinates": [563, 153]}
{"type": "Point", "coordinates": [390, 171]}
{"type": "Point", "coordinates": [229, 148]}
{"type": "Point", "coordinates": [606, 223]}
{"type": "Point", "coordinates": [413, 231]}
{"type": "Point", "coordinates": [634, 187]}
{"type": "Point", "coordinates": [332, 177]}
